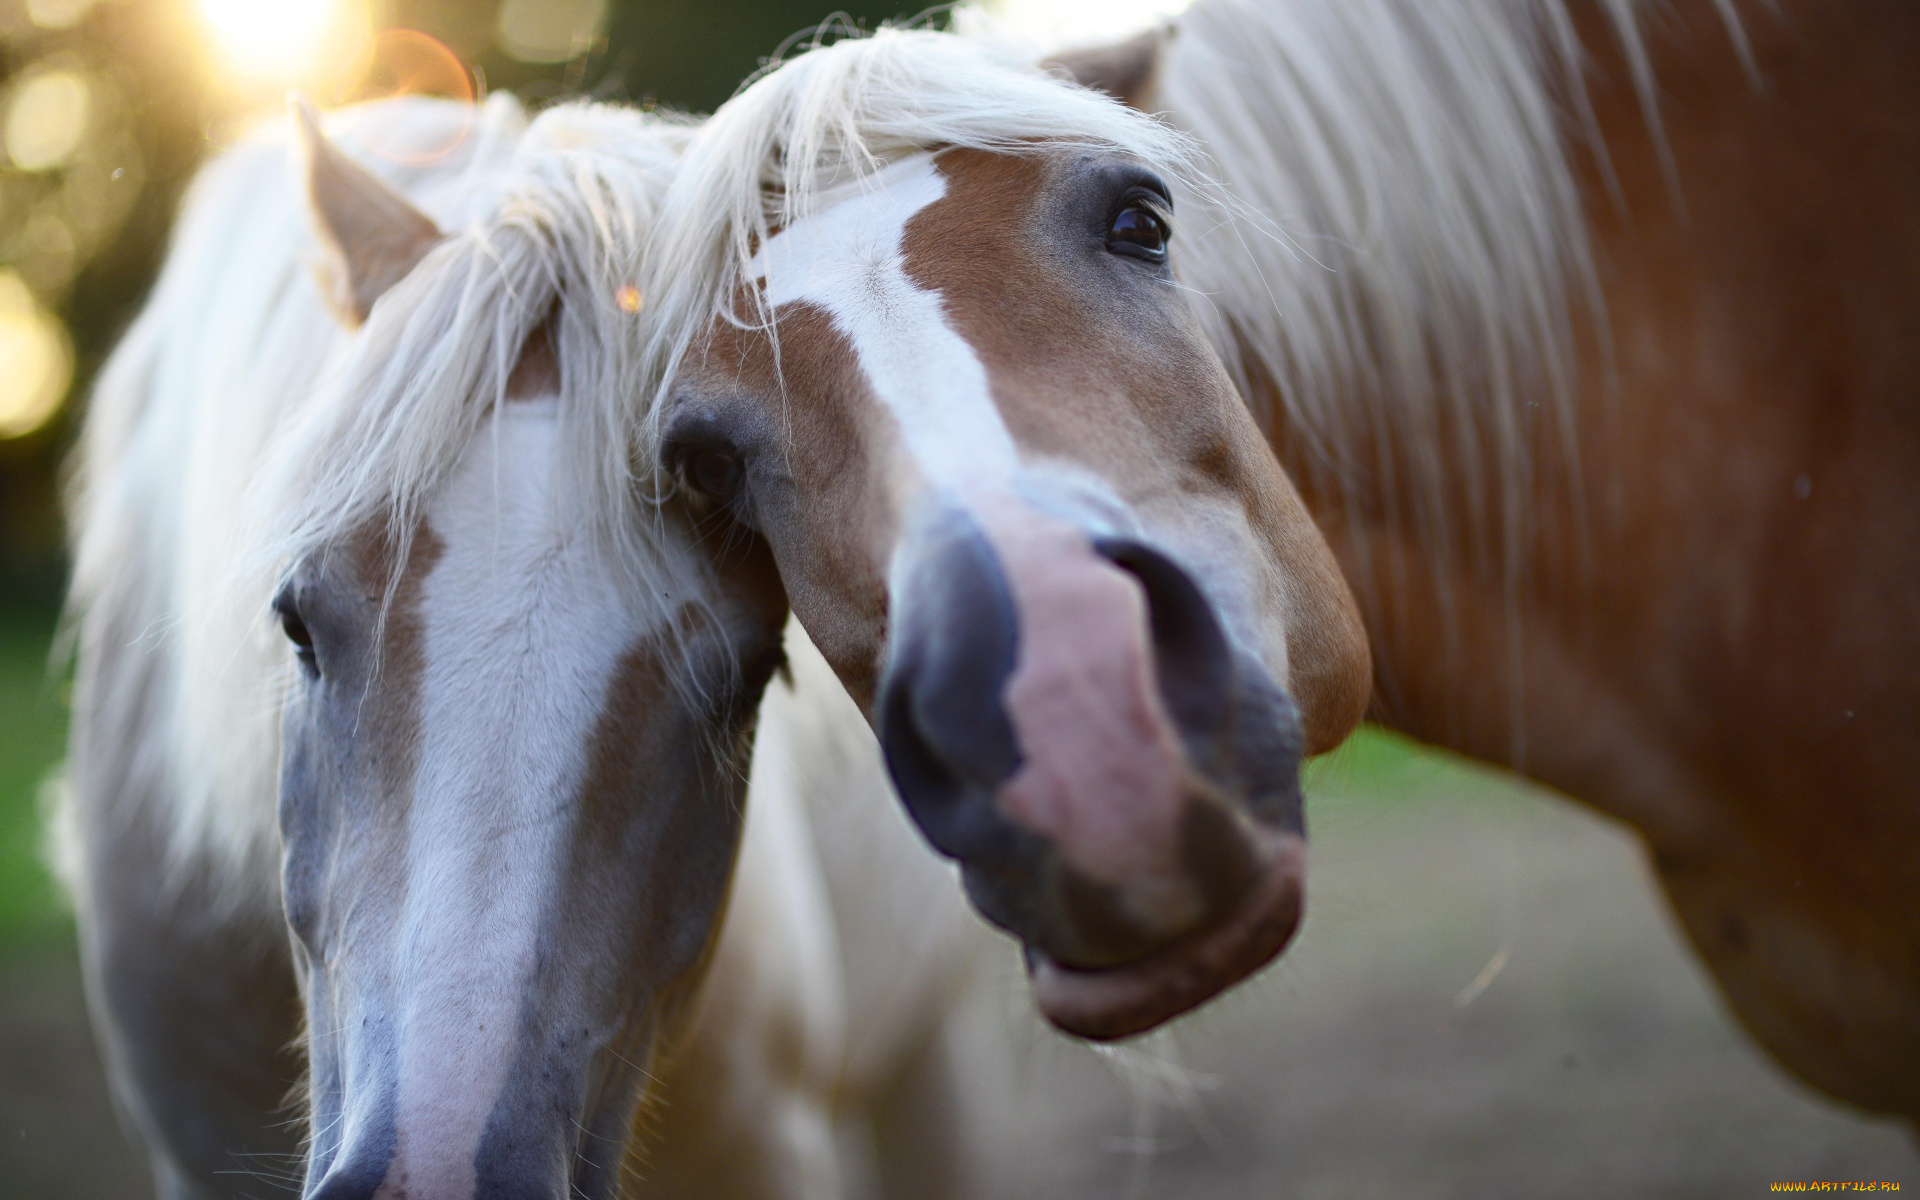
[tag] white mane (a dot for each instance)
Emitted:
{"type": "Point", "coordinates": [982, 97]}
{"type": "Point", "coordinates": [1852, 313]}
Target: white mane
{"type": "Point", "coordinates": [835, 115]}
{"type": "Point", "coordinates": [1415, 155]}
{"type": "Point", "coordinates": [1419, 317]}
{"type": "Point", "coordinates": [237, 428]}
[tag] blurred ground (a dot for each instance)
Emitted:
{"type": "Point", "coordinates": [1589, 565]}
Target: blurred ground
{"type": "Point", "coordinates": [1487, 1001]}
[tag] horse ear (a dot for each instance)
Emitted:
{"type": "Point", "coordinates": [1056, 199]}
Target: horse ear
{"type": "Point", "coordinates": [369, 235]}
{"type": "Point", "coordinates": [1128, 71]}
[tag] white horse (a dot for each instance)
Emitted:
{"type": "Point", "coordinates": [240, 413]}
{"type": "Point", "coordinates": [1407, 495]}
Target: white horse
{"type": "Point", "coordinates": [470, 814]}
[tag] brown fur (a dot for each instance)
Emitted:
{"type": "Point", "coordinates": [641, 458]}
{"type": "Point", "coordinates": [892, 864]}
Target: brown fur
{"type": "Point", "coordinates": [1145, 406]}
{"type": "Point", "coordinates": [1720, 634]}
{"type": "Point", "coordinates": [841, 546]}
{"type": "Point", "coordinates": [393, 706]}
{"type": "Point", "coordinates": [538, 371]}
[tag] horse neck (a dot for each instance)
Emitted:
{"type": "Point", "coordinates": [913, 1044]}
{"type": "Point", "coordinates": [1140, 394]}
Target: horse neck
{"type": "Point", "coordinates": [1396, 285]}
{"type": "Point", "coordinates": [1431, 356]}
{"type": "Point", "coordinates": [1411, 232]}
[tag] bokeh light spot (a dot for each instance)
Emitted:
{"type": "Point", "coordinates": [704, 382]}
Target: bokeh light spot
{"type": "Point", "coordinates": [46, 119]}
{"type": "Point", "coordinates": [628, 298]}
{"type": "Point", "coordinates": [58, 14]}
{"type": "Point", "coordinates": [548, 31]}
{"type": "Point", "coordinates": [36, 361]}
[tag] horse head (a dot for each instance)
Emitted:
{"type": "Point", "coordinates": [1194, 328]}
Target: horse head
{"type": "Point", "coordinates": [952, 382]}
{"type": "Point", "coordinates": [513, 754]}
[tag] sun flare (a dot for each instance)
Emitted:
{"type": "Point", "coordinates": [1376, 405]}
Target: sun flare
{"type": "Point", "coordinates": [285, 41]}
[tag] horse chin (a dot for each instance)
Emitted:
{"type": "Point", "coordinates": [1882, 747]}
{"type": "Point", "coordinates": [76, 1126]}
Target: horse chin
{"type": "Point", "coordinates": [1110, 1003]}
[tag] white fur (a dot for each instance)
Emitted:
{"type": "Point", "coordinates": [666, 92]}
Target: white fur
{"type": "Point", "coordinates": [848, 258]}
{"type": "Point", "coordinates": [524, 626]}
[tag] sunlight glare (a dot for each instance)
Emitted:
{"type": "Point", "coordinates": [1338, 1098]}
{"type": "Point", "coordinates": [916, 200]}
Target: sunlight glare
{"type": "Point", "coordinates": [285, 41]}
{"type": "Point", "coordinates": [58, 14]}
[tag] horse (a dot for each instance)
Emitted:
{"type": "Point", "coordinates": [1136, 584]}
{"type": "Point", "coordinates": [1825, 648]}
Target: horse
{"type": "Point", "coordinates": [914, 330]}
{"type": "Point", "coordinates": [1589, 329]}
{"type": "Point", "coordinates": [457, 840]}
{"type": "Point", "coordinates": [1480, 273]}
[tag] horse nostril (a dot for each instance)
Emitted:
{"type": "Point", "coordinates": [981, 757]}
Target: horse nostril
{"type": "Point", "coordinates": [933, 792]}
{"type": "Point", "coordinates": [1193, 662]}
{"type": "Point", "coordinates": [350, 1184]}
{"type": "Point", "coordinates": [943, 727]}
{"type": "Point", "coordinates": [1237, 725]}
{"type": "Point", "coordinates": [951, 805]}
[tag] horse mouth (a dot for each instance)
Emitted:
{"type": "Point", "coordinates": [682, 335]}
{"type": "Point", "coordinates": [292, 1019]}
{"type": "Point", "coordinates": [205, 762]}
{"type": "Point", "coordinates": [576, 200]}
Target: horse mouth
{"type": "Point", "coordinates": [1110, 1003]}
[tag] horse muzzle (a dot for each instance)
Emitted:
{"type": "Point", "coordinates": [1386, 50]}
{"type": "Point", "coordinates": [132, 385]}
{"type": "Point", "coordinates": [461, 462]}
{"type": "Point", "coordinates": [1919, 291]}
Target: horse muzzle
{"type": "Point", "coordinates": [1064, 714]}
{"type": "Point", "coordinates": [548, 1127]}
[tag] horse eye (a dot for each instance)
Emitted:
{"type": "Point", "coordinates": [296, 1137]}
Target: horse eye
{"type": "Point", "coordinates": [295, 629]}
{"type": "Point", "coordinates": [1139, 232]}
{"type": "Point", "coordinates": [711, 474]}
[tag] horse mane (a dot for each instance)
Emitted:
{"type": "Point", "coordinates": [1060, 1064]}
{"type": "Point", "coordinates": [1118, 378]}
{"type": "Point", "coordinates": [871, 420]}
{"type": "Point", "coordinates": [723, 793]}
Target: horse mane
{"type": "Point", "coordinates": [1413, 159]}
{"type": "Point", "coordinates": [238, 428]}
{"type": "Point", "coordinates": [1408, 263]}
{"type": "Point", "coordinates": [829, 118]}
{"type": "Point", "coordinates": [563, 236]}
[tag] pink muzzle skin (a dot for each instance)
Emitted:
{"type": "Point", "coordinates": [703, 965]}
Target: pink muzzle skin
{"type": "Point", "coordinates": [1102, 765]}
{"type": "Point", "coordinates": [1105, 779]}
{"type": "Point", "coordinates": [1065, 714]}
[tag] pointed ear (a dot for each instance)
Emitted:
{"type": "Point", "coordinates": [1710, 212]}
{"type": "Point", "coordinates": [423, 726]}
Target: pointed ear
{"type": "Point", "coordinates": [1128, 71]}
{"type": "Point", "coordinates": [369, 236]}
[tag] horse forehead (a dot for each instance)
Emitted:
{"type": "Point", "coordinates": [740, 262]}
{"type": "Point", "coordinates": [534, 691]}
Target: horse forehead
{"type": "Point", "coordinates": [848, 260]}
{"type": "Point", "coordinates": [522, 579]}
{"type": "Point", "coordinates": [854, 235]}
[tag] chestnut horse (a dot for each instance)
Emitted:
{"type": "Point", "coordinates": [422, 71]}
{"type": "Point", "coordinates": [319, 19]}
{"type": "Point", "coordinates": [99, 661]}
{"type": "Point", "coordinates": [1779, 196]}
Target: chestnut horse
{"type": "Point", "coordinates": [1590, 330]}
{"type": "Point", "coordinates": [1585, 337]}
{"type": "Point", "coordinates": [919, 334]}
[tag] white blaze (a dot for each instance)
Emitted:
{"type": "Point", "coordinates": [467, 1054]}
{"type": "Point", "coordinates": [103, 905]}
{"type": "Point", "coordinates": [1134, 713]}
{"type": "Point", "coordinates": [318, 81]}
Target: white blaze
{"type": "Point", "coordinates": [849, 260]}
{"type": "Point", "coordinates": [524, 628]}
